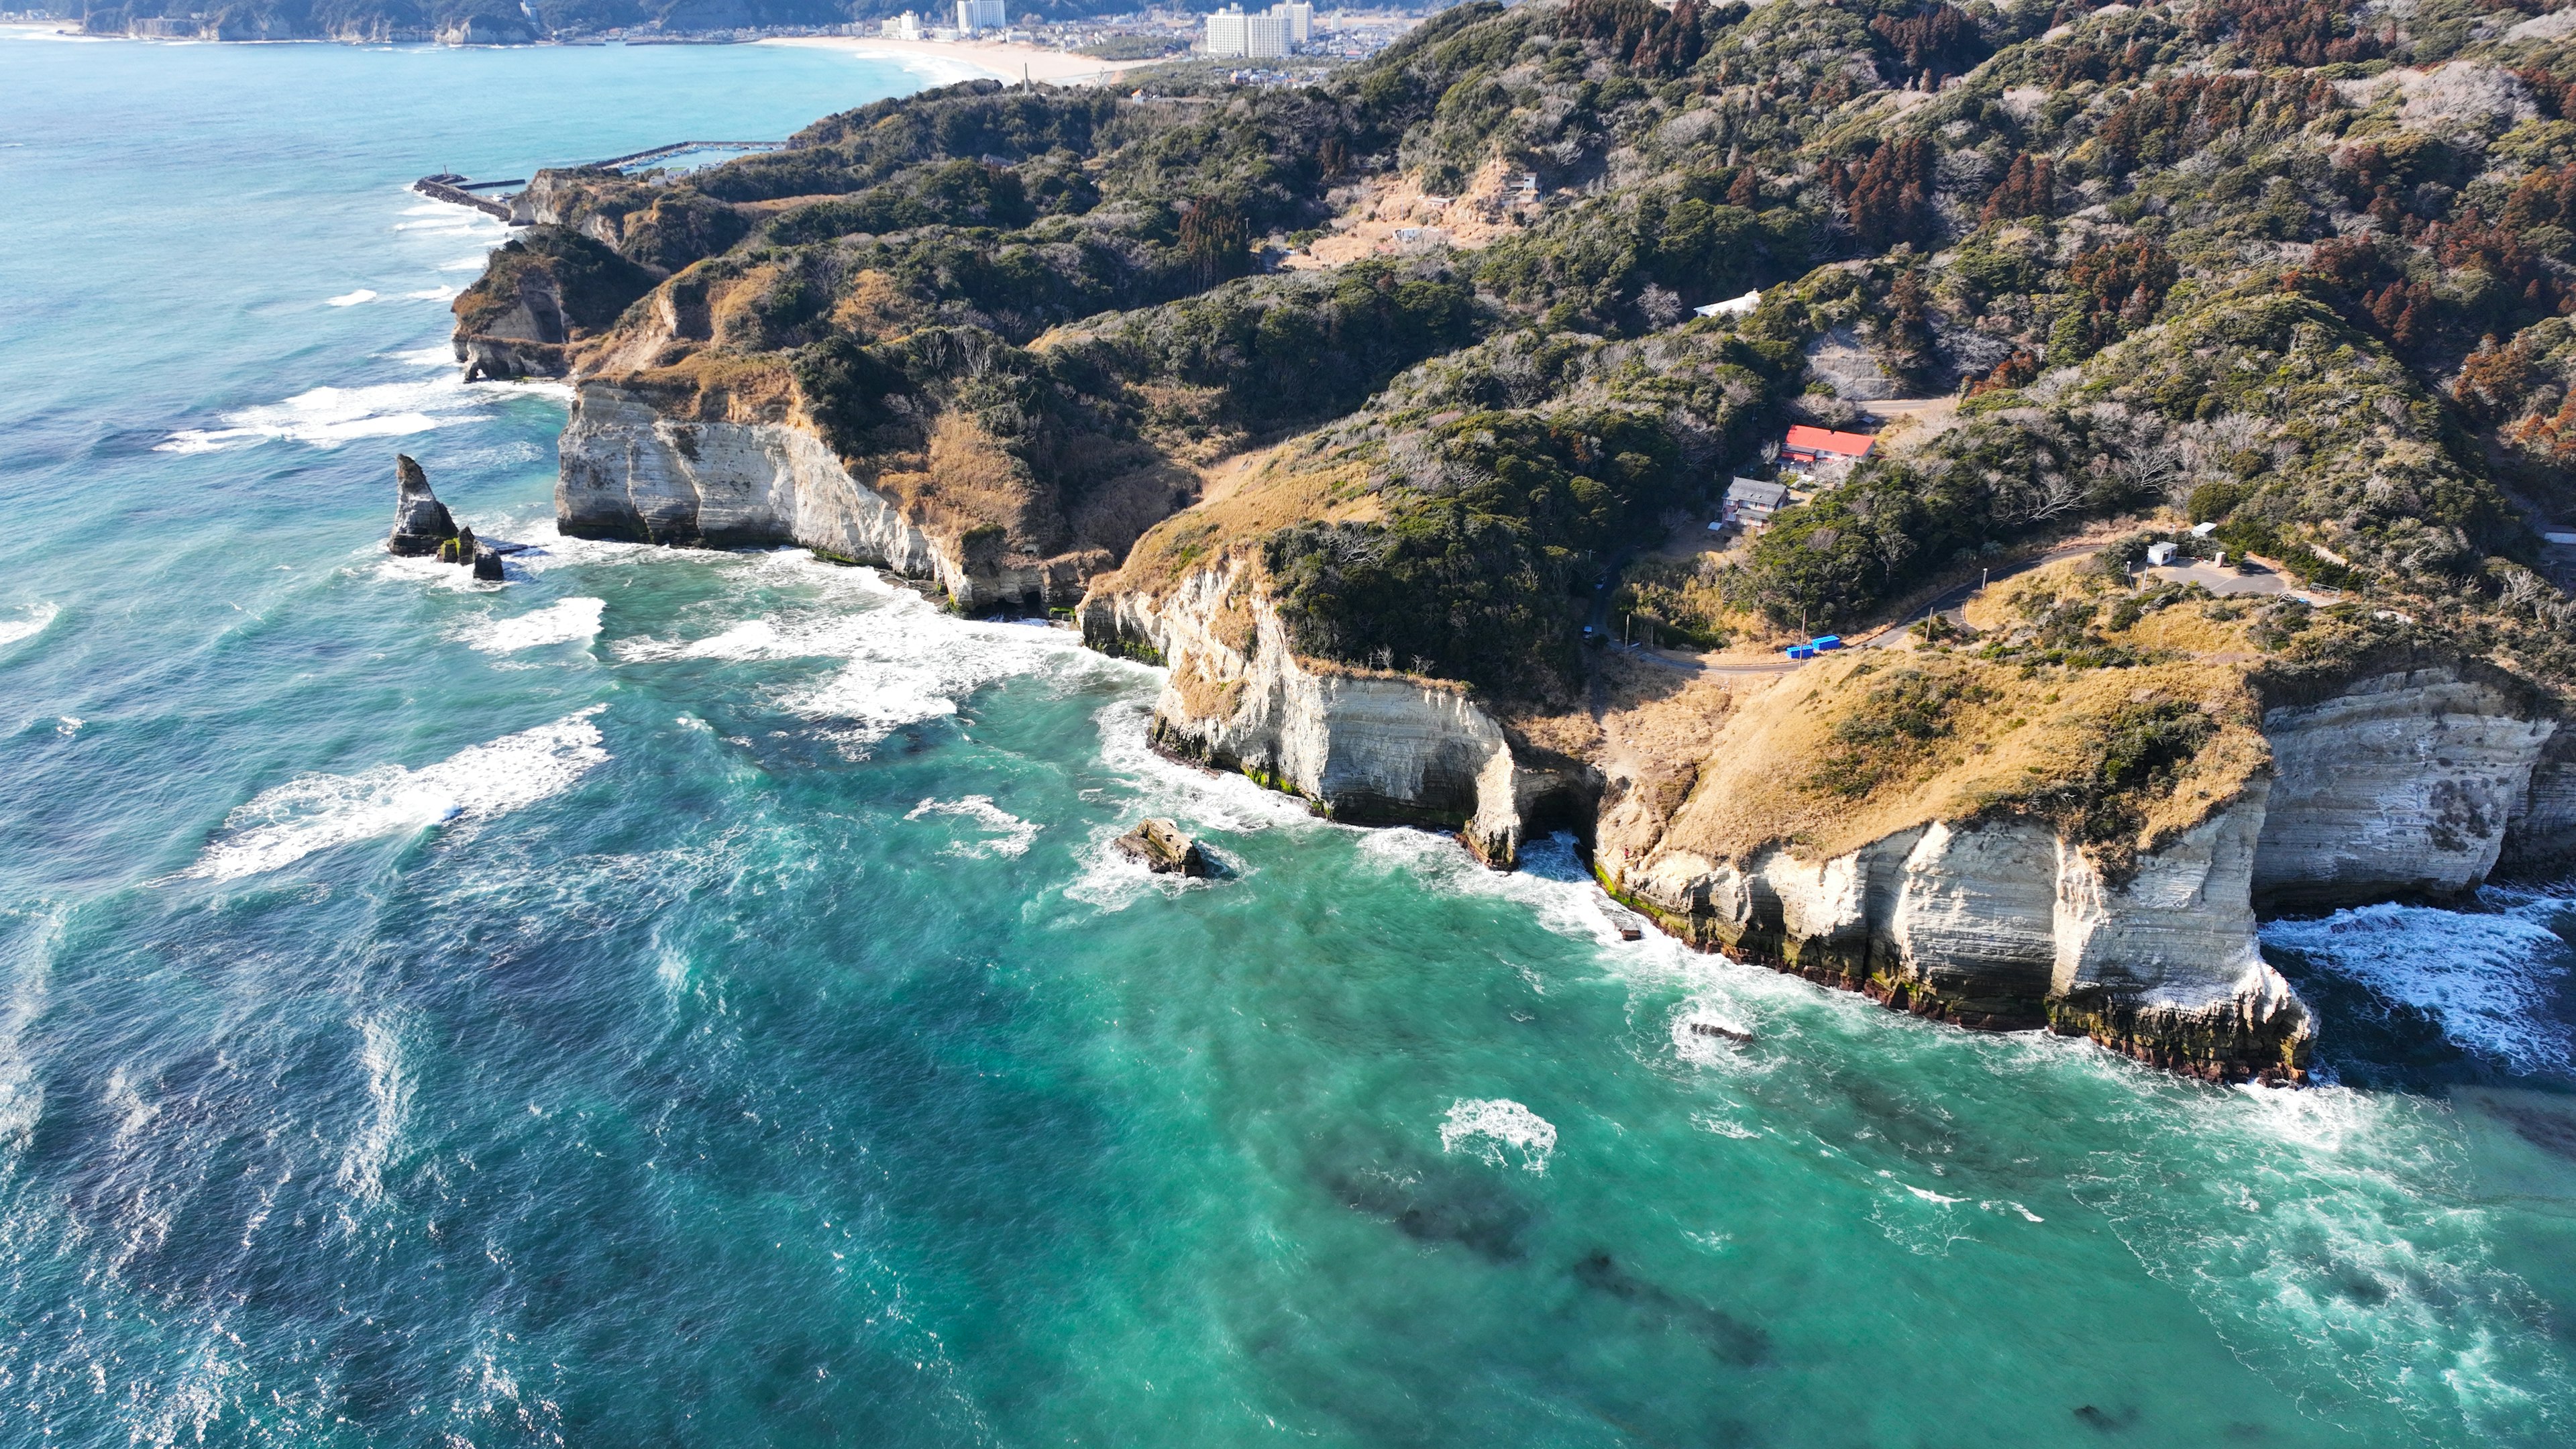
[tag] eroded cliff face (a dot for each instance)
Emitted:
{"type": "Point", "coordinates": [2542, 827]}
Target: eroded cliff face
{"type": "Point", "coordinates": [2004, 925]}
{"type": "Point", "coordinates": [2403, 784]}
{"type": "Point", "coordinates": [1371, 749]}
{"type": "Point", "coordinates": [632, 470]}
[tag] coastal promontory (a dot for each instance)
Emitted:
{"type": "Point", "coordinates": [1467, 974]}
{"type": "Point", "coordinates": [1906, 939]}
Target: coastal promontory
{"type": "Point", "coordinates": [1977, 505]}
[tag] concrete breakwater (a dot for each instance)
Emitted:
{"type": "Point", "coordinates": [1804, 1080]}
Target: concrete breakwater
{"type": "Point", "coordinates": [450, 187]}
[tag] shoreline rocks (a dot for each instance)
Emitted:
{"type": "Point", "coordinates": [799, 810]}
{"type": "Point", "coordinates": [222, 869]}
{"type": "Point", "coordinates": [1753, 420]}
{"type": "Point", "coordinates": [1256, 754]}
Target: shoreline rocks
{"type": "Point", "coordinates": [1164, 849]}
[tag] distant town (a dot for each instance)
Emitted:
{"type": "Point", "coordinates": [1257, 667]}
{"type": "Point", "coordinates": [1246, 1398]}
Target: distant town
{"type": "Point", "coordinates": [1282, 31]}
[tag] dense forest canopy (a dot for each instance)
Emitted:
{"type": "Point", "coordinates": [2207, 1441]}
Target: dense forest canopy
{"type": "Point", "coordinates": [2300, 269]}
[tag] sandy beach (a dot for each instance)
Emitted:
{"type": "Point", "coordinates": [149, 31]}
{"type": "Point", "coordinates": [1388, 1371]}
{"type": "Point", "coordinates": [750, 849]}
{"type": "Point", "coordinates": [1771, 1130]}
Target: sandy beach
{"type": "Point", "coordinates": [968, 59]}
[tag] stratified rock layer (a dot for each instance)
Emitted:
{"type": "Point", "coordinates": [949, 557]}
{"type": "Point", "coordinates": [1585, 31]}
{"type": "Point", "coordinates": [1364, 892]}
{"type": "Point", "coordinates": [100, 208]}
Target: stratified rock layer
{"type": "Point", "coordinates": [2401, 785]}
{"type": "Point", "coordinates": [2002, 925]}
{"type": "Point", "coordinates": [629, 471]}
{"type": "Point", "coordinates": [1371, 749]}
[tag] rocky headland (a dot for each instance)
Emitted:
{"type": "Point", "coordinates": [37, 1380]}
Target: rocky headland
{"type": "Point", "coordinates": [1092, 356]}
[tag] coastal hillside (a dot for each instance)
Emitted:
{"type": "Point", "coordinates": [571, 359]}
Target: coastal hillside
{"type": "Point", "coordinates": [1372, 407]}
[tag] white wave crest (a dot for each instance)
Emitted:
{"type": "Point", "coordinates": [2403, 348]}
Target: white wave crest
{"type": "Point", "coordinates": [1497, 1129]}
{"type": "Point", "coordinates": [326, 417]}
{"type": "Point", "coordinates": [351, 299]}
{"type": "Point", "coordinates": [2486, 978]}
{"type": "Point", "coordinates": [316, 812]}
{"type": "Point", "coordinates": [36, 621]}
{"type": "Point", "coordinates": [1008, 834]}
{"type": "Point", "coordinates": [906, 661]}
{"type": "Point", "coordinates": [566, 622]}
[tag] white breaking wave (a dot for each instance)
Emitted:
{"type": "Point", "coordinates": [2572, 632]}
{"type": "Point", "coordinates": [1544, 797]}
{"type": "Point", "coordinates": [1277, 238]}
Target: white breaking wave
{"type": "Point", "coordinates": [561, 623]}
{"type": "Point", "coordinates": [327, 417]}
{"type": "Point", "coordinates": [1497, 1129]}
{"type": "Point", "coordinates": [316, 812]}
{"type": "Point", "coordinates": [1009, 834]}
{"type": "Point", "coordinates": [36, 621]}
{"type": "Point", "coordinates": [352, 299]}
{"type": "Point", "coordinates": [2487, 979]}
{"type": "Point", "coordinates": [906, 661]}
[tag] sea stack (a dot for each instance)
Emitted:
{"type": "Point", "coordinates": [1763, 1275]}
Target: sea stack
{"type": "Point", "coordinates": [487, 565]}
{"type": "Point", "coordinates": [421, 522]}
{"type": "Point", "coordinates": [1164, 849]}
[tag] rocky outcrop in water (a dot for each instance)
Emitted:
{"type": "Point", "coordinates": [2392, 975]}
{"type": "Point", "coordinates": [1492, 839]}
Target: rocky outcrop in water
{"type": "Point", "coordinates": [421, 522]}
{"type": "Point", "coordinates": [1162, 848]}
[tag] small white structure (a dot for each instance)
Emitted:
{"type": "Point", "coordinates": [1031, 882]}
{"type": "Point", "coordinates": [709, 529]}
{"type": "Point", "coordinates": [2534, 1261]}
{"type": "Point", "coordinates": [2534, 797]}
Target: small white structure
{"type": "Point", "coordinates": [1231, 33]}
{"type": "Point", "coordinates": [2159, 555]}
{"type": "Point", "coordinates": [1750, 500]}
{"type": "Point", "coordinates": [975, 16]}
{"type": "Point", "coordinates": [2203, 530]}
{"type": "Point", "coordinates": [1733, 306]}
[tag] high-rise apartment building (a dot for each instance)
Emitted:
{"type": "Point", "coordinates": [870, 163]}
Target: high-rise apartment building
{"type": "Point", "coordinates": [980, 15]}
{"type": "Point", "coordinates": [1230, 32]}
{"type": "Point", "coordinates": [1301, 21]}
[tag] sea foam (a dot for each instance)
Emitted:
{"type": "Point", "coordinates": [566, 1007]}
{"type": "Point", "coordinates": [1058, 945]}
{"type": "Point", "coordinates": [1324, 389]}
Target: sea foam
{"type": "Point", "coordinates": [1005, 834]}
{"type": "Point", "coordinates": [27, 626]}
{"type": "Point", "coordinates": [570, 621]}
{"type": "Point", "coordinates": [316, 812]}
{"type": "Point", "coordinates": [905, 662]}
{"type": "Point", "coordinates": [1498, 1130]}
{"type": "Point", "coordinates": [327, 417]}
{"type": "Point", "coordinates": [2487, 978]}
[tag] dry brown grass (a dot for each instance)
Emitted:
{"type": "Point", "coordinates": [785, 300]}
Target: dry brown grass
{"type": "Point", "coordinates": [2014, 737]}
{"type": "Point", "coordinates": [877, 309]}
{"type": "Point", "coordinates": [1285, 487]}
{"type": "Point", "coordinates": [970, 482]}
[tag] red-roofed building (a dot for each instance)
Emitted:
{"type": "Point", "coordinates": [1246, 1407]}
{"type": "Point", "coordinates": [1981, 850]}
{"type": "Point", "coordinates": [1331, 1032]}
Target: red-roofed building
{"type": "Point", "coordinates": [1816, 445]}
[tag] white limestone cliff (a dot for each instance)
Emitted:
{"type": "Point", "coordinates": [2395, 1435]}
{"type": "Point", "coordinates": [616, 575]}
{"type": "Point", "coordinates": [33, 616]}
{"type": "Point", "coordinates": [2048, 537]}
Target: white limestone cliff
{"type": "Point", "coordinates": [630, 471]}
{"type": "Point", "coordinates": [2400, 785]}
{"type": "Point", "coordinates": [2002, 924]}
{"type": "Point", "coordinates": [1367, 748]}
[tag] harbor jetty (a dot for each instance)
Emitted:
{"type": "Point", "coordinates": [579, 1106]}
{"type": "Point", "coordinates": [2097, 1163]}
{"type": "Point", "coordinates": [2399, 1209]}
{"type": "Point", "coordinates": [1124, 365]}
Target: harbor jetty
{"type": "Point", "coordinates": [494, 198]}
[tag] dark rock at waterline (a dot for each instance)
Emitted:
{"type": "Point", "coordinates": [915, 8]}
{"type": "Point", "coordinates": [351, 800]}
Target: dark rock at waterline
{"type": "Point", "coordinates": [421, 522]}
{"type": "Point", "coordinates": [487, 564]}
{"type": "Point", "coordinates": [1164, 849]}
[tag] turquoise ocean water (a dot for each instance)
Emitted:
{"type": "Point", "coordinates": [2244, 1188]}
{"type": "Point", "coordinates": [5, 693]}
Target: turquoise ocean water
{"type": "Point", "coordinates": [684, 998]}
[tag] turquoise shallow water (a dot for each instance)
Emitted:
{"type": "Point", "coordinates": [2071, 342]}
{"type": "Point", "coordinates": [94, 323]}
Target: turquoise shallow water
{"type": "Point", "coordinates": [685, 998]}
